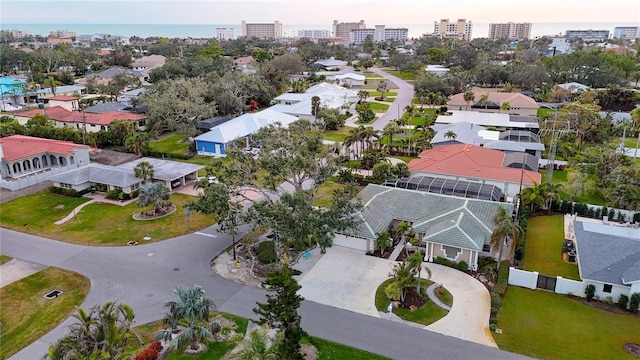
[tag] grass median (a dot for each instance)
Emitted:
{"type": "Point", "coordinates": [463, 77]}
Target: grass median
{"type": "Point", "coordinates": [27, 315]}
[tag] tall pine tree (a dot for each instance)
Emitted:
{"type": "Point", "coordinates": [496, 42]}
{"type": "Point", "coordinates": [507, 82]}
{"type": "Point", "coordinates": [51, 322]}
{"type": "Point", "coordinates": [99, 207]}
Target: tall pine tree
{"type": "Point", "coordinates": [281, 311]}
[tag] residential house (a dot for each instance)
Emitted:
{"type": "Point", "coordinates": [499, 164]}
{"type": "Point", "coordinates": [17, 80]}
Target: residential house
{"type": "Point", "coordinates": [608, 257]}
{"type": "Point", "coordinates": [22, 156]}
{"type": "Point", "coordinates": [66, 90]}
{"type": "Point", "coordinates": [215, 141]}
{"type": "Point", "coordinates": [494, 120]}
{"type": "Point", "coordinates": [122, 177]}
{"type": "Point", "coordinates": [519, 104]}
{"type": "Point", "coordinates": [129, 97]}
{"type": "Point", "coordinates": [574, 87]}
{"type": "Point", "coordinates": [474, 163]}
{"type": "Point", "coordinates": [64, 101]}
{"type": "Point", "coordinates": [104, 77]}
{"type": "Point", "coordinates": [331, 96]}
{"type": "Point", "coordinates": [455, 228]}
{"type": "Point", "coordinates": [350, 80]}
{"type": "Point", "coordinates": [246, 64]}
{"type": "Point", "coordinates": [509, 141]}
{"type": "Point", "coordinates": [148, 63]}
{"type": "Point", "coordinates": [438, 70]}
{"type": "Point", "coordinates": [331, 62]}
{"type": "Point", "coordinates": [89, 121]}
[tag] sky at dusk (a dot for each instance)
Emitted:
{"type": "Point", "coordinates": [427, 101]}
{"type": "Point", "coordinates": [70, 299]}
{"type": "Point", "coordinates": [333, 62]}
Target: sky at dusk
{"type": "Point", "coordinates": [315, 12]}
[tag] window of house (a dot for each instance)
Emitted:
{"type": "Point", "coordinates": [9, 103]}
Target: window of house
{"type": "Point", "coordinates": [135, 186]}
{"type": "Point", "coordinates": [607, 288]}
{"type": "Point", "coordinates": [451, 252]}
{"type": "Point", "coordinates": [65, 186]}
{"type": "Point", "coordinates": [486, 248]}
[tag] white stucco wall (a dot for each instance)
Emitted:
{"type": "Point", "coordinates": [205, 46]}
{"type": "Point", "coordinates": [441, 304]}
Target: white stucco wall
{"type": "Point", "coordinates": [523, 278]}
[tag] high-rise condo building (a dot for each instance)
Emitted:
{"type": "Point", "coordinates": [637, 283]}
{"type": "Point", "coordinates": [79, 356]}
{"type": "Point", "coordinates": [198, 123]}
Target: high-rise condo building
{"type": "Point", "coordinates": [515, 31]}
{"type": "Point", "coordinates": [343, 30]}
{"type": "Point", "coordinates": [587, 35]}
{"type": "Point", "coordinates": [224, 33]}
{"type": "Point", "coordinates": [262, 30]}
{"type": "Point", "coordinates": [460, 30]}
{"type": "Point", "coordinates": [378, 34]}
{"type": "Point", "coordinates": [626, 32]}
{"type": "Point", "coordinates": [314, 34]}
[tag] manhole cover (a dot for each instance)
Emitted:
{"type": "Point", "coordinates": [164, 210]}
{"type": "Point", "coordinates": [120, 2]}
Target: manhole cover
{"type": "Point", "coordinates": [53, 294]}
{"type": "Point", "coordinates": [176, 269]}
{"type": "Point", "coordinates": [149, 295]}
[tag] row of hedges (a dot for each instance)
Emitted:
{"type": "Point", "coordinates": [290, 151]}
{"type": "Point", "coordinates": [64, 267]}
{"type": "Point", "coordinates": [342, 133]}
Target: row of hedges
{"type": "Point", "coordinates": [462, 265]}
{"type": "Point", "coordinates": [497, 292]}
{"type": "Point", "coordinates": [568, 207]}
{"type": "Point", "coordinates": [68, 192]}
{"type": "Point", "coordinates": [165, 155]}
{"type": "Point", "coordinates": [118, 194]}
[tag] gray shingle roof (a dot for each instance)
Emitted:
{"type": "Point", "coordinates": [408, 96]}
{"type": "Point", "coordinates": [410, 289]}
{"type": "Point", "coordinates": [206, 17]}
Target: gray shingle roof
{"type": "Point", "coordinates": [447, 220]}
{"type": "Point", "coordinates": [164, 169]}
{"type": "Point", "coordinates": [607, 253]}
{"type": "Point", "coordinates": [97, 173]}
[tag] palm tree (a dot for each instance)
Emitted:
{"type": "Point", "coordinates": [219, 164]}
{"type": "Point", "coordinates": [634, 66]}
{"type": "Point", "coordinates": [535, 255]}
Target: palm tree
{"type": "Point", "coordinates": [451, 135]}
{"type": "Point", "coordinates": [187, 316]}
{"type": "Point", "coordinates": [505, 229]}
{"type": "Point", "coordinates": [484, 99]}
{"type": "Point", "coordinates": [155, 194]}
{"type": "Point", "coordinates": [402, 275]}
{"type": "Point", "coordinates": [505, 106]}
{"type": "Point", "coordinates": [416, 260]}
{"type": "Point", "coordinates": [143, 171]}
{"type": "Point", "coordinates": [350, 140]}
{"type": "Point", "coordinates": [258, 347]}
{"type": "Point", "coordinates": [469, 96]}
{"type": "Point", "coordinates": [383, 241]}
{"type": "Point", "coordinates": [315, 105]}
{"type": "Point", "coordinates": [101, 333]}
{"type": "Point", "coordinates": [363, 95]}
{"type": "Point", "coordinates": [552, 193]}
{"type": "Point", "coordinates": [382, 87]}
{"type": "Point", "coordinates": [52, 83]}
{"type": "Point", "coordinates": [391, 129]}
{"type": "Point", "coordinates": [532, 196]}
{"type": "Point", "coordinates": [138, 143]}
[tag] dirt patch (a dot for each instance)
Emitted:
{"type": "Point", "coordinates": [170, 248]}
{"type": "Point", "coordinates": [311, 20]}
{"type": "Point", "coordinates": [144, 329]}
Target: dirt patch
{"type": "Point", "coordinates": [309, 351]}
{"type": "Point", "coordinates": [603, 306]}
{"type": "Point", "coordinates": [148, 215]}
{"type": "Point", "coordinates": [412, 300]}
{"type": "Point", "coordinates": [61, 206]}
{"type": "Point", "coordinates": [110, 157]}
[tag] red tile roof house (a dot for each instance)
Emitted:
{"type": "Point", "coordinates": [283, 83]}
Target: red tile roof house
{"type": "Point", "coordinates": [519, 104]}
{"type": "Point", "coordinates": [26, 160]}
{"type": "Point", "coordinates": [64, 101]}
{"type": "Point", "coordinates": [90, 122]}
{"type": "Point", "coordinates": [471, 162]}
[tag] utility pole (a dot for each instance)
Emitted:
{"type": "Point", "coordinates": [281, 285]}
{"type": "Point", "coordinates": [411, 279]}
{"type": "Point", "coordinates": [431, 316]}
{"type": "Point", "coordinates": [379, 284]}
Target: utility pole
{"type": "Point", "coordinates": [557, 128]}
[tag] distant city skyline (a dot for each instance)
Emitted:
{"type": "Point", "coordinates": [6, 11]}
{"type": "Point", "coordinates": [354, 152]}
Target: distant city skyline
{"type": "Point", "coordinates": [373, 12]}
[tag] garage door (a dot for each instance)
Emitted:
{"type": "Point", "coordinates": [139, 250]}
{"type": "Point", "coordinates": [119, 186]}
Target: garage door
{"type": "Point", "coordinates": [350, 242]}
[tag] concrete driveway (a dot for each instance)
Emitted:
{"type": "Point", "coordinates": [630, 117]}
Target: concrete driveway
{"type": "Point", "coordinates": [347, 279]}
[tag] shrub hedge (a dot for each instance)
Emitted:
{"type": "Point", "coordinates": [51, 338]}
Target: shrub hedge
{"type": "Point", "coordinates": [267, 252]}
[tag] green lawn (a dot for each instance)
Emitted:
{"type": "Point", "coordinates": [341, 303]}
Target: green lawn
{"type": "Point", "coordinates": [545, 325]}
{"type": "Point", "coordinates": [406, 159]}
{"type": "Point", "coordinates": [386, 93]}
{"type": "Point", "coordinates": [427, 314]}
{"type": "Point", "coordinates": [4, 259]}
{"type": "Point", "coordinates": [543, 253]}
{"type": "Point", "coordinates": [96, 224]}
{"type": "Point", "coordinates": [26, 315]}
{"type": "Point", "coordinates": [560, 177]}
{"type": "Point", "coordinates": [337, 135]}
{"type": "Point", "coordinates": [325, 193]}
{"type": "Point", "coordinates": [404, 75]}
{"type": "Point", "coordinates": [389, 99]}
{"type": "Point", "coordinates": [172, 143]}
{"type": "Point", "coordinates": [378, 107]}
{"type": "Point", "coordinates": [543, 112]}
{"type": "Point", "coordinates": [329, 350]}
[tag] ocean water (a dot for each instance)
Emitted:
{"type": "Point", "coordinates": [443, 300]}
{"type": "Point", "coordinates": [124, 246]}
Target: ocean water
{"type": "Point", "coordinates": [209, 30]}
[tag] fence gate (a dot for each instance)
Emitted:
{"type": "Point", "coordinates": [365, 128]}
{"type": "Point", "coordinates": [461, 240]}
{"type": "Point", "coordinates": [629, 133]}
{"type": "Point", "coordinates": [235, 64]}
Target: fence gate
{"type": "Point", "coordinates": [547, 282]}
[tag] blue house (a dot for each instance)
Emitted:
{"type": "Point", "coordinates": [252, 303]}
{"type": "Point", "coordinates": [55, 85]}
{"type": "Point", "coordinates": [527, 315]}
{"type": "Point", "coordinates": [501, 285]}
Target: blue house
{"type": "Point", "coordinates": [215, 142]}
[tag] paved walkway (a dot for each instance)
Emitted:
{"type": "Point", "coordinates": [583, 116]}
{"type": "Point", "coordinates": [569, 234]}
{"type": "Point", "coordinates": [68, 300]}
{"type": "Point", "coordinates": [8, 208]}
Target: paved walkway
{"type": "Point", "coordinates": [14, 270]}
{"type": "Point", "coordinates": [95, 198]}
{"type": "Point", "coordinates": [347, 279]}
{"type": "Point", "coordinates": [432, 296]}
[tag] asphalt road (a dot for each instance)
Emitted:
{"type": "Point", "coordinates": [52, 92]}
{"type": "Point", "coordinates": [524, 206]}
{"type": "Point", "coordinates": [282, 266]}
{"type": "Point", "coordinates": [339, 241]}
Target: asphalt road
{"type": "Point", "coordinates": [143, 276]}
{"type": "Point", "coordinates": [396, 109]}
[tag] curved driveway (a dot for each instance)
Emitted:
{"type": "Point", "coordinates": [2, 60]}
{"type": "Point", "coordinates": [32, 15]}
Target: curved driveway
{"type": "Point", "coordinates": [142, 276]}
{"type": "Point", "coordinates": [396, 109]}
